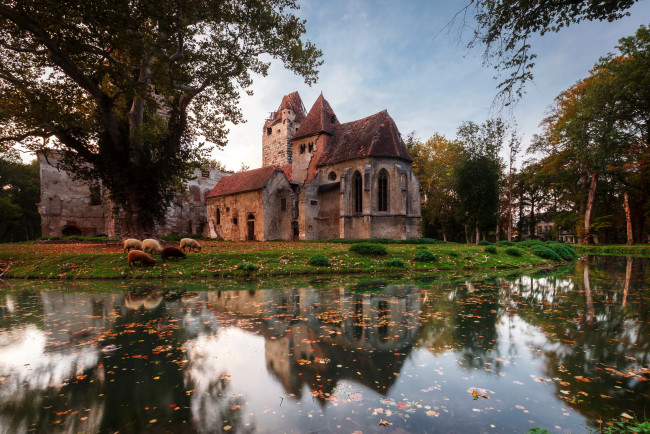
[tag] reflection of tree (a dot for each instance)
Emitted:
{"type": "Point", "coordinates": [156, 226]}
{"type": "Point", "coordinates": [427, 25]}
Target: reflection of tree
{"type": "Point", "coordinates": [599, 345]}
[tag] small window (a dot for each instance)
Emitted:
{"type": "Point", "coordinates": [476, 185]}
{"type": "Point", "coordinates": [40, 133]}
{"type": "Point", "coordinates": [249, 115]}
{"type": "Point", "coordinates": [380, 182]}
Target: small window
{"type": "Point", "coordinates": [218, 216]}
{"type": "Point", "coordinates": [269, 131]}
{"type": "Point", "coordinates": [227, 209]}
{"type": "Point", "coordinates": [205, 173]}
{"type": "Point", "coordinates": [302, 148]}
{"type": "Point", "coordinates": [283, 204]}
{"type": "Point", "coordinates": [333, 119]}
{"type": "Point", "coordinates": [313, 202]}
{"type": "Point", "coordinates": [332, 176]}
{"type": "Point", "coordinates": [234, 221]}
{"type": "Point", "coordinates": [310, 228]}
{"type": "Point", "coordinates": [311, 147]}
{"type": "Point", "coordinates": [382, 191]}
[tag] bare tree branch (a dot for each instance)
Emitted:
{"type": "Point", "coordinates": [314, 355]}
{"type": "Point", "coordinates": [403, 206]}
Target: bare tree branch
{"type": "Point", "coordinates": [22, 50]}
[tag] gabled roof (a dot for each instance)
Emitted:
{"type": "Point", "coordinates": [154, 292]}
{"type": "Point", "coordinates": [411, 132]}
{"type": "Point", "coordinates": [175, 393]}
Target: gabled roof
{"type": "Point", "coordinates": [251, 180]}
{"type": "Point", "coordinates": [374, 136]}
{"type": "Point", "coordinates": [287, 169]}
{"type": "Point", "coordinates": [318, 120]}
{"type": "Point", "coordinates": [290, 101]}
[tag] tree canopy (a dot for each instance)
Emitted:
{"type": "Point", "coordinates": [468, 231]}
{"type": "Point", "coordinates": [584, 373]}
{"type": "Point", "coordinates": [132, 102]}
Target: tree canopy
{"type": "Point", "coordinates": [505, 29]}
{"type": "Point", "coordinates": [122, 88]}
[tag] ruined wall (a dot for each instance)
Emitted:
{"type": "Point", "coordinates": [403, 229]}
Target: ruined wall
{"type": "Point", "coordinates": [234, 210]}
{"type": "Point", "coordinates": [68, 207]}
{"type": "Point", "coordinates": [277, 221]}
{"type": "Point", "coordinates": [276, 139]}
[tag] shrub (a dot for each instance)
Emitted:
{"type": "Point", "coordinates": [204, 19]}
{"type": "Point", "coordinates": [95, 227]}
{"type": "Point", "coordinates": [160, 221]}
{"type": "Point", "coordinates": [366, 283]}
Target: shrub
{"type": "Point", "coordinates": [369, 249]}
{"type": "Point", "coordinates": [505, 243]}
{"type": "Point", "coordinates": [484, 243]}
{"type": "Point", "coordinates": [247, 267]}
{"type": "Point", "coordinates": [424, 256]}
{"type": "Point", "coordinates": [319, 260]}
{"type": "Point", "coordinates": [530, 243]}
{"type": "Point", "coordinates": [490, 249]}
{"type": "Point", "coordinates": [513, 251]}
{"type": "Point", "coordinates": [564, 251]}
{"type": "Point", "coordinates": [545, 252]}
{"type": "Point", "coordinates": [452, 253]}
{"type": "Point", "coordinates": [395, 263]}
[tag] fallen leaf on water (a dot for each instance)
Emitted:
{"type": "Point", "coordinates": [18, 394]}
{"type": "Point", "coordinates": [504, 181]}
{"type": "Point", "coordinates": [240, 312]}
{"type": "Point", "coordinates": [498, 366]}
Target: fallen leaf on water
{"type": "Point", "coordinates": [384, 422]}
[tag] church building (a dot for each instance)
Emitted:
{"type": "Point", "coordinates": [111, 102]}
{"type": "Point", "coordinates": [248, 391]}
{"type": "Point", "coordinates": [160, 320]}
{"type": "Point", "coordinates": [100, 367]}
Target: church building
{"type": "Point", "coordinates": [320, 179]}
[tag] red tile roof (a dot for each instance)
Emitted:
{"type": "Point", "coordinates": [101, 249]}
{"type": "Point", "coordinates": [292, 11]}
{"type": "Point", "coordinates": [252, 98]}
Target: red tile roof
{"type": "Point", "coordinates": [251, 180]}
{"type": "Point", "coordinates": [291, 101]}
{"type": "Point", "coordinates": [374, 136]}
{"type": "Point", "coordinates": [318, 120]}
{"type": "Point", "coordinates": [287, 169]}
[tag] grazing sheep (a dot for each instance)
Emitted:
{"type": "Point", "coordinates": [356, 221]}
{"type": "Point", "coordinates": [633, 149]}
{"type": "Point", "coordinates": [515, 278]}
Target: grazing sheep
{"type": "Point", "coordinates": [190, 244]}
{"type": "Point", "coordinates": [141, 257]}
{"type": "Point", "coordinates": [132, 244]}
{"type": "Point", "coordinates": [151, 245]}
{"type": "Point", "coordinates": [171, 252]}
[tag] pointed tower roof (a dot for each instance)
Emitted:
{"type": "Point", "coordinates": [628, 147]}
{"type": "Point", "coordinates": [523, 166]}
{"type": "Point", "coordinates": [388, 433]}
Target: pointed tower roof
{"type": "Point", "coordinates": [374, 136]}
{"type": "Point", "coordinates": [290, 101]}
{"type": "Point", "coordinates": [320, 119]}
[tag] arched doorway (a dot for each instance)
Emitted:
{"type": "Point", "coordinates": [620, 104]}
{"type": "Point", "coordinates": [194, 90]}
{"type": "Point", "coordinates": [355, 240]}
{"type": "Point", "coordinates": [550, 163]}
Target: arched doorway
{"type": "Point", "coordinates": [69, 231]}
{"type": "Point", "coordinates": [251, 227]}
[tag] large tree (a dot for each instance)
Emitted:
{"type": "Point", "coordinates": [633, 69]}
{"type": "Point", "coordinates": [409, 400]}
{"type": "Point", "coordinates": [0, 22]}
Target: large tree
{"type": "Point", "coordinates": [19, 196]}
{"type": "Point", "coordinates": [121, 88]}
{"type": "Point", "coordinates": [505, 29]}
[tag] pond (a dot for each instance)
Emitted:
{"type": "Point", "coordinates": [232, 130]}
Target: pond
{"type": "Point", "coordinates": [483, 352]}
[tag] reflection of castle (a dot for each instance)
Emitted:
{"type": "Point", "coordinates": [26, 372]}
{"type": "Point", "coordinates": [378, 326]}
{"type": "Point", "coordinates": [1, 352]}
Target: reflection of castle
{"type": "Point", "coordinates": [318, 337]}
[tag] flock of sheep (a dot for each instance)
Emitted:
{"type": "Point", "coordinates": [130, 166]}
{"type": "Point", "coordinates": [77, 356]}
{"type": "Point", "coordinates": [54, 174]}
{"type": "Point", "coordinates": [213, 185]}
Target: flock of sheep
{"type": "Point", "coordinates": [138, 250]}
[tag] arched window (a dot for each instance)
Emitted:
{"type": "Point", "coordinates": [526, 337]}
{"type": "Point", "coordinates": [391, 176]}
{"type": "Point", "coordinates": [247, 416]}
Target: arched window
{"type": "Point", "coordinates": [357, 192]}
{"type": "Point", "coordinates": [382, 191]}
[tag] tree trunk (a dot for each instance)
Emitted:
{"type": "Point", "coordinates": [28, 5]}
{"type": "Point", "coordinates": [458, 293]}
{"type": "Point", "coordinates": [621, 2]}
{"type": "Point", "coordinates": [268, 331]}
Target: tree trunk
{"type": "Point", "coordinates": [591, 198]}
{"type": "Point", "coordinates": [136, 223]}
{"type": "Point", "coordinates": [477, 233]}
{"type": "Point", "coordinates": [466, 235]}
{"type": "Point", "coordinates": [591, 311]}
{"type": "Point", "coordinates": [628, 219]}
{"type": "Point", "coordinates": [628, 278]}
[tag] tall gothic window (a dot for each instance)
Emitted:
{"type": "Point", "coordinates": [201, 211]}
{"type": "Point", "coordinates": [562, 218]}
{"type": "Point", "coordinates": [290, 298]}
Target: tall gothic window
{"type": "Point", "coordinates": [357, 192]}
{"type": "Point", "coordinates": [382, 191]}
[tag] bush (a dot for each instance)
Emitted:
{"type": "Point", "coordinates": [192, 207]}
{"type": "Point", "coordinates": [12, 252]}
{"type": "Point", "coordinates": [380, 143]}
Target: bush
{"type": "Point", "coordinates": [319, 260]}
{"type": "Point", "coordinates": [564, 251]}
{"type": "Point", "coordinates": [490, 249]}
{"type": "Point", "coordinates": [398, 263]}
{"type": "Point", "coordinates": [545, 252]}
{"type": "Point", "coordinates": [505, 243]}
{"type": "Point", "coordinates": [424, 256]}
{"type": "Point", "coordinates": [454, 254]}
{"type": "Point", "coordinates": [247, 267]}
{"type": "Point", "coordinates": [530, 243]}
{"type": "Point", "coordinates": [369, 249]}
{"type": "Point", "coordinates": [513, 251]}
{"type": "Point", "coordinates": [484, 243]}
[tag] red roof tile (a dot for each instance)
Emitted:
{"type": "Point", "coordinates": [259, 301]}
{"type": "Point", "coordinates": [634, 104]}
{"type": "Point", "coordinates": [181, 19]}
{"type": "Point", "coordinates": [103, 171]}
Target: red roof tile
{"type": "Point", "coordinates": [291, 101]}
{"type": "Point", "coordinates": [374, 136]}
{"type": "Point", "coordinates": [287, 169]}
{"type": "Point", "coordinates": [251, 180]}
{"type": "Point", "coordinates": [320, 119]}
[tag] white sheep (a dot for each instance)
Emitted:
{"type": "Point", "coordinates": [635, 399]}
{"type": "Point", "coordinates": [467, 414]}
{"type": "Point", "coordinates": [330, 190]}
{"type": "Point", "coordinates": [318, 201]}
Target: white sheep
{"type": "Point", "coordinates": [151, 245]}
{"type": "Point", "coordinates": [132, 243]}
{"type": "Point", "coordinates": [190, 243]}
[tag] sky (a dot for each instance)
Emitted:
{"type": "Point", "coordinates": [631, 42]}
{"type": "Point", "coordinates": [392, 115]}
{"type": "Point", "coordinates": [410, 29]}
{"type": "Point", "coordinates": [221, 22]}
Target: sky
{"type": "Point", "coordinates": [397, 55]}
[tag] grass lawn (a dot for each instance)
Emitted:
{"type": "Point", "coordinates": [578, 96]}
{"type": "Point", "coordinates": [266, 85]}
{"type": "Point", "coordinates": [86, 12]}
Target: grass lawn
{"type": "Point", "coordinates": [102, 260]}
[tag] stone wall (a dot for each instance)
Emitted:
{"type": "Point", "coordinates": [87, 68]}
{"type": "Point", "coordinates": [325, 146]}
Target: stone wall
{"type": "Point", "coordinates": [276, 139]}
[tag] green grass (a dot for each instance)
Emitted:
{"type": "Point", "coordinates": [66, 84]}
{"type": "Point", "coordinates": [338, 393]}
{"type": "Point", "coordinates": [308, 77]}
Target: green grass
{"type": "Point", "coordinates": [271, 259]}
{"type": "Point", "coordinates": [614, 249]}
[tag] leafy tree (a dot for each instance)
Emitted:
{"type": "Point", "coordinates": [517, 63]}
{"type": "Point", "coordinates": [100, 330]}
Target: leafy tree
{"type": "Point", "coordinates": [434, 161]}
{"type": "Point", "coordinates": [19, 196]}
{"type": "Point", "coordinates": [121, 88]}
{"type": "Point", "coordinates": [505, 28]}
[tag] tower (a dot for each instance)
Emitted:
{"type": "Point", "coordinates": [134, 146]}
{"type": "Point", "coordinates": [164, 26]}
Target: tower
{"type": "Point", "coordinates": [279, 129]}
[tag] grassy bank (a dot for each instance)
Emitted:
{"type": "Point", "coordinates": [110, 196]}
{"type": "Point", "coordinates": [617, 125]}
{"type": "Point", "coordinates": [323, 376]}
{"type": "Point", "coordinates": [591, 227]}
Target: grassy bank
{"type": "Point", "coordinates": [614, 249]}
{"type": "Point", "coordinates": [225, 259]}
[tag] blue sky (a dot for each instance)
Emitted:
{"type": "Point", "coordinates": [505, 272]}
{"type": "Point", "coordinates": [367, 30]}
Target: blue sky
{"type": "Point", "coordinates": [381, 54]}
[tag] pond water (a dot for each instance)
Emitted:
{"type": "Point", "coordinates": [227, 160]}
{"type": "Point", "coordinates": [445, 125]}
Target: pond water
{"type": "Point", "coordinates": [449, 353]}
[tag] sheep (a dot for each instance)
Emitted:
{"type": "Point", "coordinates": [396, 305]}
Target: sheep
{"type": "Point", "coordinates": [171, 252]}
{"type": "Point", "coordinates": [151, 245]}
{"type": "Point", "coordinates": [132, 244]}
{"type": "Point", "coordinates": [141, 257]}
{"type": "Point", "coordinates": [190, 244]}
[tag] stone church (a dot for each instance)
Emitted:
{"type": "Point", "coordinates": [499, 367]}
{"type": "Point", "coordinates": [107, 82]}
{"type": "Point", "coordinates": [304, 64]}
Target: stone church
{"type": "Point", "coordinates": [320, 179]}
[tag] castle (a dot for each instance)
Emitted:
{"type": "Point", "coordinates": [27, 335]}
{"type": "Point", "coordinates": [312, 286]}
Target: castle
{"type": "Point", "coordinates": [320, 179]}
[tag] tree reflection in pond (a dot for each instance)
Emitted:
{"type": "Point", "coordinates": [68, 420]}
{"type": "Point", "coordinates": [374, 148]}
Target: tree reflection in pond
{"type": "Point", "coordinates": [563, 349]}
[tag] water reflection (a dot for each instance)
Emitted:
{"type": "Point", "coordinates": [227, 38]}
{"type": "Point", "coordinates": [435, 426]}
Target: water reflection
{"type": "Point", "coordinates": [569, 347]}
